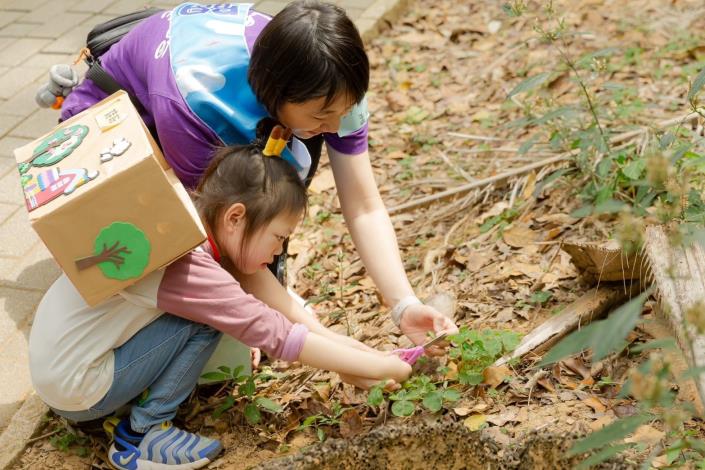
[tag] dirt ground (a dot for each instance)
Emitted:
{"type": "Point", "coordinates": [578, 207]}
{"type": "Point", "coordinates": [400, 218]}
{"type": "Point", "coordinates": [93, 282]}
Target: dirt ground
{"type": "Point", "coordinates": [440, 118]}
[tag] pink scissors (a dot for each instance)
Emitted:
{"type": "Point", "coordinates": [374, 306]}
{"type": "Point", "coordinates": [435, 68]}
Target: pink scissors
{"type": "Point", "coordinates": [411, 355]}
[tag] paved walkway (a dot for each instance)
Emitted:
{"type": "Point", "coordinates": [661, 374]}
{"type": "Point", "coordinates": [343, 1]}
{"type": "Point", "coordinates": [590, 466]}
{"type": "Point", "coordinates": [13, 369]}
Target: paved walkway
{"type": "Point", "coordinates": [34, 35]}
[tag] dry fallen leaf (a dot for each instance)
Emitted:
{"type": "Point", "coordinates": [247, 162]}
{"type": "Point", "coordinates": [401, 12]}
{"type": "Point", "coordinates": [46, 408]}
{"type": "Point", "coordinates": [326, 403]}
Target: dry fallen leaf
{"type": "Point", "coordinates": [519, 236]}
{"type": "Point", "coordinates": [595, 404]}
{"type": "Point", "coordinates": [323, 181]}
{"type": "Point", "coordinates": [475, 422]}
{"type": "Point", "coordinates": [600, 422]}
{"type": "Point", "coordinates": [494, 376]}
{"type": "Point", "coordinates": [646, 434]}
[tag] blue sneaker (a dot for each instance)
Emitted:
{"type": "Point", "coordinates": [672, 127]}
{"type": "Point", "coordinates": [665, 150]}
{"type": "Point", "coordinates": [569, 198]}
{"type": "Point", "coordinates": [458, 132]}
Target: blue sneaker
{"type": "Point", "coordinates": [164, 446]}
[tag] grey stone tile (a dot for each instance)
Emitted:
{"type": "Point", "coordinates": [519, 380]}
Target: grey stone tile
{"type": "Point", "coordinates": [270, 7]}
{"type": "Point", "coordinates": [17, 78]}
{"type": "Point", "coordinates": [22, 104]}
{"type": "Point", "coordinates": [74, 40]}
{"type": "Point", "coordinates": [16, 233]}
{"type": "Point", "coordinates": [58, 25]}
{"type": "Point", "coordinates": [6, 210]}
{"type": "Point", "coordinates": [46, 60]}
{"type": "Point", "coordinates": [37, 124]}
{"type": "Point", "coordinates": [9, 144]}
{"type": "Point", "coordinates": [17, 30]}
{"type": "Point", "coordinates": [18, 51]}
{"type": "Point", "coordinates": [17, 307]}
{"type": "Point", "coordinates": [7, 164]}
{"type": "Point", "coordinates": [36, 270]}
{"type": "Point", "coordinates": [45, 12]}
{"type": "Point", "coordinates": [22, 5]}
{"type": "Point", "coordinates": [91, 6]}
{"type": "Point", "coordinates": [11, 193]}
{"type": "Point", "coordinates": [8, 123]}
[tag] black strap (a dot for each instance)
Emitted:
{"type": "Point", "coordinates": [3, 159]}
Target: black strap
{"type": "Point", "coordinates": [98, 75]}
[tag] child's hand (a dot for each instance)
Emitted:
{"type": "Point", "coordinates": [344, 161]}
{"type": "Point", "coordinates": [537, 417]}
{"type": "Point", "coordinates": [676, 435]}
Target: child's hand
{"type": "Point", "coordinates": [395, 368]}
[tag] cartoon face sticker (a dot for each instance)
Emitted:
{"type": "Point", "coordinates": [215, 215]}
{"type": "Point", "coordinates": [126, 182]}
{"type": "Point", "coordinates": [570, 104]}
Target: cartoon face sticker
{"type": "Point", "coordinates": [58, 145]}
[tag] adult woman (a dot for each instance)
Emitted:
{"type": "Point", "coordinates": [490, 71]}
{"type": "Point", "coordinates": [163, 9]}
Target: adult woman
{"type": "Point", "coordinates": [209, 75]}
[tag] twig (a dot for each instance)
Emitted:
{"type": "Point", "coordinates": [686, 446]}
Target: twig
{"type": "Point", "coordinates": [43, 436]}
{"type": "Point", "coordinates": [476, 137]}
{"type": "Point", "coordinates": [503, 177]}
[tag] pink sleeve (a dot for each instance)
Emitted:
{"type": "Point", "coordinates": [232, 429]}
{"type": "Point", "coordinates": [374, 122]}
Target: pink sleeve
{"type": "Point", "coordinates": [197, 288]}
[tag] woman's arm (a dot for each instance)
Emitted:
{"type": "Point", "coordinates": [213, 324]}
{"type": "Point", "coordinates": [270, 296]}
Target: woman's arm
{"type": "Point", "coordinates": [373, 234]}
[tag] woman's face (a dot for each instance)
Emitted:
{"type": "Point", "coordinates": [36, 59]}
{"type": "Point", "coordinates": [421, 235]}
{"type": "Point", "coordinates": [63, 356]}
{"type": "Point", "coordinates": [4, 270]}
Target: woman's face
{"type": "Point", "coordinates": [312, 117]}
{"type": "Point", "coordinates": [263, 245]}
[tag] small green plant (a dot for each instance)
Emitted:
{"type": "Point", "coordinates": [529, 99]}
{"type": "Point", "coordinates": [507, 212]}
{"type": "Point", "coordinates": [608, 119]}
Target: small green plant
{"type": "Point", "coordinates": [418, 389]}
{"type": "Point", "coordinates": [246, 390]}
{"type": "Point", "coordinates": [501, 220]}
{"type": "Point", "coordinates": [319, 421]}
{"type": "Point", "coordinates": [477, 350]}
{"type": "Point", "coordinates": [68, 440]}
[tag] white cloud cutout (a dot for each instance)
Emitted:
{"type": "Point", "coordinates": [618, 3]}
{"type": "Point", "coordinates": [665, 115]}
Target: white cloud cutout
{"type": "Point", "coordinates": [198, 77]}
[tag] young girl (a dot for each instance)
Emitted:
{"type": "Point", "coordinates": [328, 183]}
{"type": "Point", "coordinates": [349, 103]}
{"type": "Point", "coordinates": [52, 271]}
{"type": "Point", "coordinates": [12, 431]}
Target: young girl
{"type": "Point", "coordinates": [86, 362]}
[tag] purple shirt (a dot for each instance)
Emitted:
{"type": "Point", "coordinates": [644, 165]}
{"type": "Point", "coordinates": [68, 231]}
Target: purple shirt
{"type": "Point", "coordinates": [140, 62]}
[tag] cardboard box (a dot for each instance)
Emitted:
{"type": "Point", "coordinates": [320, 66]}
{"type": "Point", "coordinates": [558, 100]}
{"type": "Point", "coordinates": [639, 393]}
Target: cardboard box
{"type": "Point", "coordinates": [104, 201]}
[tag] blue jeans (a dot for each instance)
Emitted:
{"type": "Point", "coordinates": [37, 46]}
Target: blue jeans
{"type": "Point", "coordinates": [166, 357]}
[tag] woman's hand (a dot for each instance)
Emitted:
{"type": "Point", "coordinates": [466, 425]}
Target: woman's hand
{"type": "Point", "coordinates": [418, 320]}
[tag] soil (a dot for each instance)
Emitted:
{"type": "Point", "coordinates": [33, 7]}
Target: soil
{"type": "Point", "coordinates": [440, 118]}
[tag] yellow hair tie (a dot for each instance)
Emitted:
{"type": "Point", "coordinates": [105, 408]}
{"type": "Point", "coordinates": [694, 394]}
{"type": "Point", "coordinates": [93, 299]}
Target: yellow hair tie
{"type": "Point", "coordinates": [277, 141]}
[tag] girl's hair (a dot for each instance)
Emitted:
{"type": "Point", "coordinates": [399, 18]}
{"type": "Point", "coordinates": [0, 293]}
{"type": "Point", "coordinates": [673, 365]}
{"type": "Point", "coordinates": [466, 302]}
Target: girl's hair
{"type": "Point", "coordinates": [308, 50]}
{"type": "Point", "coordinates": [266, 186]}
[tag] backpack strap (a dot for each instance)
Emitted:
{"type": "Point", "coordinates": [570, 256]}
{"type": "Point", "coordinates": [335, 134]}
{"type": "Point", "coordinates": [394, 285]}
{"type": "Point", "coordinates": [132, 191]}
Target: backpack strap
{"type": "Point", "coordinates": [103, 80]}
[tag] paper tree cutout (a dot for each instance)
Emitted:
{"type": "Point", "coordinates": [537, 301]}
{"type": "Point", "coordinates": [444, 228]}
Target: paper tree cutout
{"type": "Point", "coordinates": [119, 147]}
{"type": "Point", "coordinates": [121, 252]}
{"type": "Point", "coordinates": [46, 186]}
{"type": "Point", "coordinates": [56, 147]}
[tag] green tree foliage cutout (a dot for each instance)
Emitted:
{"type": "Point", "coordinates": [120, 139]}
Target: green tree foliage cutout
{"type": "Point", "coordinates": [121, 252]}
{"type": "Point", "coordinates": [56, 147]}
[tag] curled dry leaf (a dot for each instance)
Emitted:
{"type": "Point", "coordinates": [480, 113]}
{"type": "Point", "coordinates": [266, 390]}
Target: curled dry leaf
{"type": "Point", "coordinates": [494, 376]}
{"type": "Point", "coordinates": [519, 236]}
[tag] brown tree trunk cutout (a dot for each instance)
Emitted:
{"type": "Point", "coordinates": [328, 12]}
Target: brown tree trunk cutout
{"type": "Point", "coordinates": [112, 254]}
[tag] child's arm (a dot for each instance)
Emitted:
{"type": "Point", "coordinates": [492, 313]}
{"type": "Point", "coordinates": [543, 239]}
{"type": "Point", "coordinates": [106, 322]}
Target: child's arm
{"type": "Point", "coordinates": [323, 353]}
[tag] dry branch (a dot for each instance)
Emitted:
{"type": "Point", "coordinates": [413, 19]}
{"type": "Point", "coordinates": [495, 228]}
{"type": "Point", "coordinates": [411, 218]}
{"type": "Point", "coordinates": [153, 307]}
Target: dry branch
{"type": "Point", "coordinates": [502, 178]}
{"type": "Point", "coordinates": [590, 306]}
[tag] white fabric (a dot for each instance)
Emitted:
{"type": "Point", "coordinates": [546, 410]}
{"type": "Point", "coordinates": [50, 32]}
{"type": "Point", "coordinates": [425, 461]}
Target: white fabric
{"type": "Point", "coordinates": [71, 347]}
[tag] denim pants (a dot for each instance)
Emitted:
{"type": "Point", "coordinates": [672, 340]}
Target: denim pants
{"type": "Point", "coordinates": [166, 357]}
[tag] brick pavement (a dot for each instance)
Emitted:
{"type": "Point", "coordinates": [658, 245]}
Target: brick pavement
{"type": "Point", "coordinates": [35, 34]}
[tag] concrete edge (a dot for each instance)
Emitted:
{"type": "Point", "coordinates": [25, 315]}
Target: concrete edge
{"type": "Point", "coordinates": [27, 419]}
{"type": "Point", "coordinates": [22, 426]}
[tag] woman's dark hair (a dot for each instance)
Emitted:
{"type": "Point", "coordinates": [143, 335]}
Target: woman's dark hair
{"type": "Point", "coordinates": [267, 186]}
{"type": "Point", "coordinates": [308, 50]}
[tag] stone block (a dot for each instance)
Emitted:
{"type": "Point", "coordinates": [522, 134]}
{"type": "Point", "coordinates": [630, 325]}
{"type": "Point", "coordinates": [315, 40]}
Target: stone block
{"type": "Point", "coordinates": [6, 210]}
{"type": "Point", "coordinates": [36, 270]}
{"type": "Point", "coordinates": [22, 104]}
{"type": "Point", "coordinates": [17, 307]}
{"type": "Point", "coordinates": [22, 426]}
{"type": "Point", "coordinates": [9, 144]}
{"type": "Point", "coordinates": [270, 7]}
{"type": "Point", "coordinates": [24, 5]}
{"type": "Point", "coordinates": [17, 30]}
{"type": "Point", "coordinates": [48, 11]}
{"type": "Point", "coordinates": [17, 52]}
{"type": "Point", "coordinates": [17, 78]}
{"type": "Point", "coordinates": [61, 23]}
{"type": "Point", "coordinates": [90, 6]}
{"type": "Point", "coordinates": [46, 60]}
{"type": "Point", "coordinates": [11, 193]}
{"type": "Point", "coordinates": [16, 233]}
{"type": "Point", "coordinates": [8, 123]}
{"type": "Point", "coordinates": [37, 124]}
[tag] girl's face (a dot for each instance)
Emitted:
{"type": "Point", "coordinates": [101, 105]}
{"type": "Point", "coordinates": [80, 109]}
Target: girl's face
{"type": "Point", "coordinates": [312, 117]}
{"type": "Point", "coordinates": [263, 245]}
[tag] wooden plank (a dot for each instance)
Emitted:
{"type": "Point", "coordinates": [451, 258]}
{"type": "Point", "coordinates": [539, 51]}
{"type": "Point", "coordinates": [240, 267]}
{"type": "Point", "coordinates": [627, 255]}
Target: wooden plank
{"type": "Point", "coordinates": [590, 306]}
{"type": "Point", "coordinates": [678, 275]}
